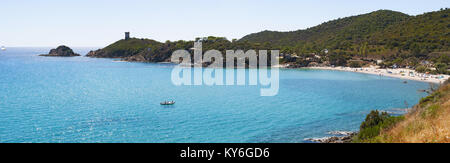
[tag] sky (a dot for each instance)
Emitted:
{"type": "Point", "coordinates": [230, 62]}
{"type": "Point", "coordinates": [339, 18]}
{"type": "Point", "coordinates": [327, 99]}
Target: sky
{"type": "Point", "coordinates": [97, 23]}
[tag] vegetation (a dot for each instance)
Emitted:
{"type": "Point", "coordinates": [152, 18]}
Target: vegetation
{"type": "Point", "coordinates": [125, 48]}
{"type": "Point", "coordinates": [422, 69]}
{"type": "Point", "coordinates": [398, 39]}
{"type": "Point", "coordinates": [441, 68]}
{"type": "Point", "coordinates": [336, 34]}
{"type": "Point", "coordinates": [374, 123]}
{"type": "Point", "coordinates": [146, 50]}
{"type": "Point", "coordinates": [428, 121]}
{"type": "Point", "coordinates": [61, 51]}
{"type": "Point", "coordinates": [394, 37]}
{"type": "Point", "coordinates": [355, 64]}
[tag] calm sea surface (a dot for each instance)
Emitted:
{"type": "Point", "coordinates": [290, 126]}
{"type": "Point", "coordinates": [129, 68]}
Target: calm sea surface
{"type": "Point", "coordinates": [80, 99]}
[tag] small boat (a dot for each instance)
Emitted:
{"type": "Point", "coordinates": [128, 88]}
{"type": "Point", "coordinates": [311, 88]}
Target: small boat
{"type": "Point", "coordinates": [3, 48]}
{"type": "Point", "coordinates": [167, 103]}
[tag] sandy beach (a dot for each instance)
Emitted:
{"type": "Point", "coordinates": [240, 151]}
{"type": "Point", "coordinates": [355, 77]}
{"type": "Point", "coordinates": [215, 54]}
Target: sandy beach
{"type": "Point", "coordinates": [401, 73]}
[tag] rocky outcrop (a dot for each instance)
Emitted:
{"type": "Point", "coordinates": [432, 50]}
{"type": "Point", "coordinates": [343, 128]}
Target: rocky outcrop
{"type": "Point", "coordinates": [162, 55]}
{"type": "Point", "coordinates": [91, 53]}
{"type": "Point", "coordinates": [136, 58]}
{"type": "Point", "coordinates": [339, 137]}
{"type": "Point", "coordinates": [100, 54]}
{"type": "Point", "coordinates": [61, 51]}
{"type": "Point", "coordinates": [106, 53]}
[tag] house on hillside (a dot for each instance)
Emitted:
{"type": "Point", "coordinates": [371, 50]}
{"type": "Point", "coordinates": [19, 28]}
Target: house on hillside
{"type": "Point", "coordinates": [379, 61]}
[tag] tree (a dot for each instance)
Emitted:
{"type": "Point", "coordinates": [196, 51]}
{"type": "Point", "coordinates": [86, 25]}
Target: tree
{"type": "Point", "coordinates": [355, 64]}
{"type": "Point", "coordinates": [441, 68]}
{"type": "Point", "coordinates": [421, 69]}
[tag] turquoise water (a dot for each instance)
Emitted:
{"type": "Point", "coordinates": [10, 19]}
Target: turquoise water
{"type": "Point", "coordinates": [80, 99]}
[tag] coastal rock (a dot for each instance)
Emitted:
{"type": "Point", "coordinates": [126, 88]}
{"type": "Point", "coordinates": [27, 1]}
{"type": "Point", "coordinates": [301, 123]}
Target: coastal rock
{"type": "Point", "coordinates": [61, 51]}
{"type": "Point", "coordinates": [91, 53]}
{"type": "Point", "coordinates": [343, 137]}
{"type": "Point", "coordinates": [342, 133]}
{"type": "Point", "coordinates": [104, 53]}
{"type": "Point", "coordinates": [135, 58]}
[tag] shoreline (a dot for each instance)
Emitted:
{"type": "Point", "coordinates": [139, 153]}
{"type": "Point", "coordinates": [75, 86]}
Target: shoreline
{"type": "Point", "coordinates": [336, 137]}
{"type": "Point", "coordinates": [400, 73]}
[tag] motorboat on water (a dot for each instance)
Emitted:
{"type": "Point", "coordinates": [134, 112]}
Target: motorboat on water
{"type": "Point", "coordinates": [167, 103]}
{"type": "Point", "coordinates": [3, 48]}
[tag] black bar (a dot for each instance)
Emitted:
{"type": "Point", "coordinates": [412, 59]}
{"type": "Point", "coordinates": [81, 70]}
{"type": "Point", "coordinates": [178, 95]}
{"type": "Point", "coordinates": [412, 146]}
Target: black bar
{"type": "Point", "coordinates": [243, 151]}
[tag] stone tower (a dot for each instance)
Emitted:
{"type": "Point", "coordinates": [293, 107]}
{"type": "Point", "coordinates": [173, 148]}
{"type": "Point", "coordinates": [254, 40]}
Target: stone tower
{"type": "Point", "coordinates": [127, 35]}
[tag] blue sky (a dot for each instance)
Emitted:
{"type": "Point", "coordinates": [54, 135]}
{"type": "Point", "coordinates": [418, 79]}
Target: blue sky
{"type": "Point", "coordinates": [97, 23]}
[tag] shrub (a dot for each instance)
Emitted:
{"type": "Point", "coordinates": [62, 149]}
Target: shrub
{"type": "Point", "coordinates": [431, 98]}
{"type": "Point", "coordinates": [374, 123]}
{"type": "Point", "coordinates": [431, 111]}
{"type": "Point", "coordinates": [424, 100]}
{"type": "Point", "coordinates": [441, 68]}
{"type": "Point", "coordinates": [421, 69]}
{"type": "Point", "coordinates": [355, 64]}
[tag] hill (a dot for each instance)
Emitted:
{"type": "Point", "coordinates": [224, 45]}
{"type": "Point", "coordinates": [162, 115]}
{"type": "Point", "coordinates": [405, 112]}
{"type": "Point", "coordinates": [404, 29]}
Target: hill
{"type": "Point", "coordinates": [354, 29]}
{"type": "Point", "coordinates": [398, 39]}
{"type": "Point", "coordinates": [125, 48]}
{"type": "Point", "coordinates": [427, 122]}
{"type": "Point", "coordinates": [421, 34]}
{"type": "Point", "coordinates": [369, 35]}
{"type": "Point", "coordinates": [146, 50]}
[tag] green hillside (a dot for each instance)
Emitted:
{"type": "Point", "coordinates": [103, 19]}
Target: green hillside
{"type": "Point", "coordinates": [353, 29]}
{"type": "Point", "coordinates": [145, 50]}
{"type": "Point", "coordinates": [425, 33]}
{"type": "Point", "coordinates": [396, 38]}
{"type": "Point", "coordinates": [370, 35]}
{"type": "Point", "coordinates": [125, 48]}
{"type": "Point", "coordinates": [426, 122]}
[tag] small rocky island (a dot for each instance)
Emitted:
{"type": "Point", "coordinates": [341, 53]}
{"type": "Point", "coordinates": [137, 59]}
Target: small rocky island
{"type": "Point", "coordinates": [61, 51]}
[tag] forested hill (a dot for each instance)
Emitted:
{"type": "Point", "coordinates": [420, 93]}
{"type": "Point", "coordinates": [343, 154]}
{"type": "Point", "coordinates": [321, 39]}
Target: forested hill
{"type": "Point", "coordinates": [379, 32]}
{"type": "Point", "coordinates": [398, 39]}
{"type": "Point", "coordinates": [420, 34]}
{"type": "Point", "coordinates": [125, 48]}
{"type": "Point", "coordinates": [353, 28]}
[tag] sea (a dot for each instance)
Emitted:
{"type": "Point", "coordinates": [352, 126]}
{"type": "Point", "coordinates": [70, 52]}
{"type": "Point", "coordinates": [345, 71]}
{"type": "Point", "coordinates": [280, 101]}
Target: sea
{"type": "Point", "coordinates": [87, 100]}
